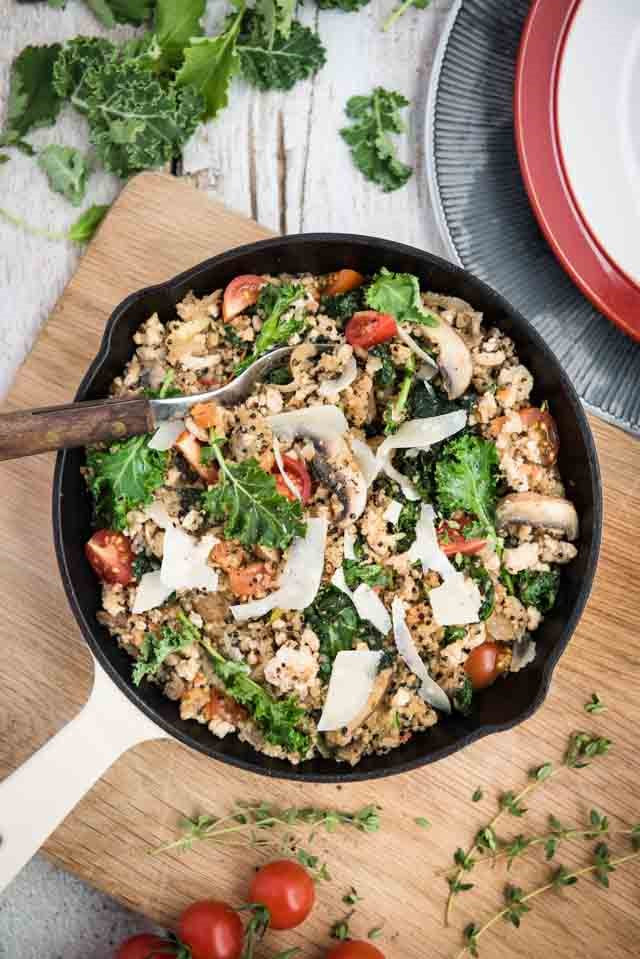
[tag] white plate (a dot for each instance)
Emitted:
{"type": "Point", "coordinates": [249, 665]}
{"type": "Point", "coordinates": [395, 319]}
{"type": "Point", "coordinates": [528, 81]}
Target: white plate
{"type": "Point", "coordinates": [598, 110]}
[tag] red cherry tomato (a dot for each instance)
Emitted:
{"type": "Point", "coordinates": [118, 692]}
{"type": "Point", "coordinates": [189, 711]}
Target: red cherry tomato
{"type": "Point", "coordinates": [482, 665]}
{"type": "Point", "coordinates": [144, 946]}
{"type": "Point", "coordinates": [342, 282]}
{"type": "Point", "coordinates": [212, 930]}
{"type": "Point", "coordinates": [354, 949]}
{"type": "Point", "coordinates": [452, 541]}
{"type": "Point", "coordinates": [191, 449]}
{"type": "Point", "coordinates": [242, 292]}
{"type": "Point", "coordinates": [111, 556]}
{"type": "Point", "coordinates": [287, 891]}
{"type": "Point", "coordinates": [298, 474]}
{"type": "Point", "coordinates": [368, 328]}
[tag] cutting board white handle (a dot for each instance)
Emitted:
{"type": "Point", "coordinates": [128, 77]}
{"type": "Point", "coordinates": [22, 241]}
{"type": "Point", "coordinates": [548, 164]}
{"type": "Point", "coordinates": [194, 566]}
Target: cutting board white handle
{"type": "Point", "coordinates": [36, 797]}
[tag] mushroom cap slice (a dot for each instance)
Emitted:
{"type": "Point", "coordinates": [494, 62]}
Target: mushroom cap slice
{"type": "Point", "coordinates": [454, 358]}
{"type": "Point", "coordinates": [536, 509]}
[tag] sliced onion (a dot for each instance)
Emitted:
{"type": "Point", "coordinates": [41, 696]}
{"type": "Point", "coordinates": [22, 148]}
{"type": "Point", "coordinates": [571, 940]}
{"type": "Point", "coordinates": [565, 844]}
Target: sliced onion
{"type": "Point", "coordinates": [368, 463]}
{"type": "Point", "coordinates": [330, 388]}
{"type": "Point", "coordinates": [300, 579]}
{"type": "Point", "coordinates": [417, 349]}
{"type": "Point", "coordinates": [392, 512]}
{"type": "Point", "coordinates": [457, 602]}
{"type": "Point", "coordinates": [317, 422]}
{"type": "Point", "coordinates": [352, 677]}
{"type": "Point", "coordinates": [424, 432]}
{"type": "Point", "coordinates": [166, 435]}
{"type": "Point", "coordinates": [151, 592]}
{"type": "Point", "coordinates": [349, 545]}
{"type": "Point", "coordinates": [291, 486]}
{"type": "Point", "coordinates": [425, 548]}
{"type": "Point", "coordinates": [184, 561]}
{"type": "Point", "coordinates": [429, 689]}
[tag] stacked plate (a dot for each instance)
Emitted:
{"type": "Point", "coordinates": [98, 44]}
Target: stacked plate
{"type": "Point", "coordinates": [578, 142]}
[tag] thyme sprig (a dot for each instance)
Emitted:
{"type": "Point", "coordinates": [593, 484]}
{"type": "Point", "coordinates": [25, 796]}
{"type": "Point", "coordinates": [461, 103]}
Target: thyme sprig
{"type": "Point", "coordinates": [517, 902]}
{"type": "Point", "coordinates": [262, 824]}
{"type": "Point", "coordinates": [581, 749]}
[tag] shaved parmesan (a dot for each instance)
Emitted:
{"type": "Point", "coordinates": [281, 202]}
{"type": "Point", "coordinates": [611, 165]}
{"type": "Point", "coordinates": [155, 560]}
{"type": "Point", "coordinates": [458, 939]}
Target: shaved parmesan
{"type": "Point", "coordinates": [369, 606]}
{"type": "Point", "coordinates": [157, 512]}
{"type": "Point", "coordinates": [352, 677]}
{"type": "Point", "coordinates": [425, 546]}
{"type": "Point", "coordinates": [301, 576]}
{"type": "Point", "coordinates": [340, 582]}
{"type": "Point", "coordinates": [184, 561]}
{"type": "Point", "coordinates": [349, 545]}
{"type": "Point", "coordinates": [408, 489]}
{"type": "Point", "coordinates": [151, 592]}
{"type": "Point", "coordinates": [457, 602]}
{"type": "Point", "coordinates": [317, 422]}
{"type": "Point", "coordinates": [291, 486]}
{"type": "Point", "coordinates": [368, 464]}
{"type": "Point", "coordinates": [166, 435]}
{"type": "Point", "coordinates": [392, 512]}
{"type": "Point", "coordinates": [417, 349]}
{"type": "Point", "coordinates": [331, 388]}
{"type": "Point", "coordinates": [429, 689]}
{"type": "Point", "coordinates": [424, 432]}
{"type": "Point", "coordinates": [425, 372]}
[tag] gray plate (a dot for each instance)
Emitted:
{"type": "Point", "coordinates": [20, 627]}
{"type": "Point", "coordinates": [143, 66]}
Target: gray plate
{"type": "Point", "coordinates": [484, 214]}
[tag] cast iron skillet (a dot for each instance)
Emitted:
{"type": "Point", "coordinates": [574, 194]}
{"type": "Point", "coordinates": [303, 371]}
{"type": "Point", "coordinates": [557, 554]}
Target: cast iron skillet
{"type": "Point", "coordinates": [504, 705]}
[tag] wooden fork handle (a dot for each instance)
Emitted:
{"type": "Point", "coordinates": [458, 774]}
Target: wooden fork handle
{"type": "Point", "coordinates": [77, 424]}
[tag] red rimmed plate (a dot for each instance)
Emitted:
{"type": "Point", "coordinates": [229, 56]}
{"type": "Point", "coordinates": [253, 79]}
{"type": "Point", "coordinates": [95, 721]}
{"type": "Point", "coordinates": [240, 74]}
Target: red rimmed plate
{"type": "Point", "coordinates": [578, 139]}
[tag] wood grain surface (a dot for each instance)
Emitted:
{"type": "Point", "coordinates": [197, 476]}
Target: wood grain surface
{"type": "Point", "coordinates": [158, 227]}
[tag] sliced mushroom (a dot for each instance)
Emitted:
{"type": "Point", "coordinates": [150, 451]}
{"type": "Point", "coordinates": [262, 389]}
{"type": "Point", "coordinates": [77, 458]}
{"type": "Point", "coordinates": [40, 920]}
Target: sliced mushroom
{"type": "Point", "coordinates": [536, 509]}
{"type": "Point", "coordinates": [335, 466]}
{"type": "Point", "coordinates": [454, 358]}
{"type": "Point", "coordinates": [343, 736]}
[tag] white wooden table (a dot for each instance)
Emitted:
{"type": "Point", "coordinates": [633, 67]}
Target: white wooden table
{"type": "Point", "coordinates": [275, 156]}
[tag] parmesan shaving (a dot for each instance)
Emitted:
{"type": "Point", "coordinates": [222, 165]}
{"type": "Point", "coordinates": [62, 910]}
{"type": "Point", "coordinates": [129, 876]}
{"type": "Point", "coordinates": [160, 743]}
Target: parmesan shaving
{"type": "Point", "coordinates": [408, 489]}
{"type": "Point", "coordinates": [457, 602]}
{"type": "Point", "coordinates": [368, 604]}
{"type": "Point", "coordinates": [392, 512]}
{"type": "Point", "coordinates": [184, 561]}
{"type": "Point", "coordinates": [425, 547]}
{"type": "Point", "coordinates": [349, 545]}
{"type": "Point", "coordinates": [424, 432]}
{"type": "Point", "coordinates": [151, 592]}
{"type": "Point", "coordinates": [166, 435]}
{"type": "Point", "coordinates": [317, 422]}
{"type": "Point", "coordinates": [352, 677]}
{"type": "Point", "coordinates": [429, 689]}
{"type": "Point", "coordinates": [368, 463]}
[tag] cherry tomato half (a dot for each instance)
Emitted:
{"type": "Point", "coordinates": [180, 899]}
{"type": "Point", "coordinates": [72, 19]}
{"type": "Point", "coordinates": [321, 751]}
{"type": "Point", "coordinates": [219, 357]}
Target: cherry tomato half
{"type": "Point", "coordinates": [287, 891]}
{"type": "Point", "coordinates": [299, 476]}
{"type": "Point", "coordinates": [482, 665]}
{"type": "Point", "coordinates": [355, 949]}
{"type": "Point", "coordinates": [191, 449]}
{"type": "Point", "coordinates": [368, 328]}
{"type": "Point", "coordinates": [452, 541]}
{"type": "Point", "coordinates": [212, 930]}
{"type": "Point", "coordinates": [242, 292]}
{"type": "Point", "coordinates": [144, 946]}
{"type": "Point", "coordinates": [342, 281]}
{"type": "Point", "coordinates": [111, 556]}
{"type": "Point", "coordinates": [224, 707]}
{"type": "Point", "coordinates": [533, 416]}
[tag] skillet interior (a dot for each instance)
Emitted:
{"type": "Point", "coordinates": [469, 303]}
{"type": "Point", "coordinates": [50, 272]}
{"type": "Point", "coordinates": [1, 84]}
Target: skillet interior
{"type": "Point", "coordinates": [498, 708]}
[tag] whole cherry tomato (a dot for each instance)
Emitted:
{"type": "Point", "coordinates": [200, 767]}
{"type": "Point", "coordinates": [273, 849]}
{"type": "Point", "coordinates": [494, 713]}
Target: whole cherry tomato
{"type": "Point", "coordinates": [145, 946]}
{"type": "Point", "coordinates": [212, 930]}
{"type": "Point", "coordinates": [481, 665]}
{"type": "Point", "coordinates": [287, 890]}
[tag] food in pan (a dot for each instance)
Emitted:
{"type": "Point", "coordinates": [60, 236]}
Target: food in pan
{"type": "Point", "coordinates": [368, 540]}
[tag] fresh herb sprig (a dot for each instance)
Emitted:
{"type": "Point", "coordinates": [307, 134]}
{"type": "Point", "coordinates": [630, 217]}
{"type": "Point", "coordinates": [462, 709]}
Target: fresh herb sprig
{"type": "Point", "coordinates": [374, 119]}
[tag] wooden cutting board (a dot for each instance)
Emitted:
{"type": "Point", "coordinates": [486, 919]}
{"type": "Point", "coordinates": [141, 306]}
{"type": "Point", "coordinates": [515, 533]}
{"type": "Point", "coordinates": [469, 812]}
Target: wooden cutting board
{"type": "Point", "coordinates": [158, 227]}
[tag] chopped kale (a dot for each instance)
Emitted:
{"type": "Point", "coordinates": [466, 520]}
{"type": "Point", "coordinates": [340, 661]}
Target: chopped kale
{"type": "Point", "coordinates": [342, 306]}
{"type": "Point", "coordinates": [538, 588]}
{"type": "Point", "coordinates": [335, 621]}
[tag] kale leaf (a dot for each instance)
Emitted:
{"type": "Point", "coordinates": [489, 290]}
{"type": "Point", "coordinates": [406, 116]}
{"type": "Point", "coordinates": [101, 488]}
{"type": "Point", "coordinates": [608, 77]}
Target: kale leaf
{"type": "Point", "coordinates": [466, 479]}
{"type": "Point", "coordinates": [407, 522]}
{"type": "Point", "coordinates": [82, 229]}
{"type": "Point", "coordinates": [374, 118]}
{"type": "Point", "coordinates": [67, 171]}
{"type": "Point", "coordinates": [426, 401]}
{"type": "Point", "coordinates": [209, 64]}
{"type": "Point", "coordinates": [335, 621]}
{"type": "Point", "coordinates": [342, 306]}
{"type": "Point", "coordinates": [174, 26]}
{"type": "Point", "coordinates": [274, 302]}
{"type": "Point", "coordinates": [399, 295]}
{"type": "Point", "coordinates": [372, 574]}
{"type": "Point", "coordinates": [418, 469]}
{"type": "Point", "coordinates": [396, 410]}
{"type": "Point", "coordinates": [474, 568]}
{"type": "Point", "coordinates": [33, 100]}
{"type": "Point", "coordinates": [124, 477]}
{"type": "Point", "coordinates": [385, 377]}
{"type": "Point", "coordinates": [111, 12]}
{"type": "Point", "coordinates": [246, 498]}
{"type": "Point", "coordinates": [157, 646]}
{"type": "Point", "coordinates": [144, 564]}
{"type": "Point", "coordinates": [463, 697]}
{"type": "Point", "coordinates": [538, 588]}
{"type": "Point", "coordinates": [278, 719]}
{"type": "Point", "coordinates": [278, 63]}
{"type": "Point", "coordinates": [452, 634]}
{"type": "Point", "coordinates": [77, 60]}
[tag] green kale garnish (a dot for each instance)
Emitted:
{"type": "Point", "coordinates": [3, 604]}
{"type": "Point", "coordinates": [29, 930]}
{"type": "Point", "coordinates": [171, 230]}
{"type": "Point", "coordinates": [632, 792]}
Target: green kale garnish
{"type": "Point", "coordinates": [33, 101]}
{"type": "Point", "coordinates": [335, 621]}
{"type": "Point", "coordinates": [278, 719]}
{"type": "Point", "coordinates": [273, 303]}
{"type": "Point", "coordinates": [396, 410]}
{"type": "Point", "coordinates": [399, 295]}
{"type": "Point", "coordinates": [372, 574]}
{"type": "Point", "coordinates": [124, 477]}
{"type": "Point", "coordinates": [385, 377]}
{"type": "Point", "coordinates": [452, 634]}
{"type": "Point", "coordinates": [157, 646]}
{"type": "Point", "coordinates": [425, 401]}
{"type": "Point", "coordinates": [209, 64]}
{"type": "Point", "coordinates": [277, 62]}
{"type": "Point", "coordinates": [174, 26]}
{"type": "Point", "coordinates": [538, 588]}
{"type": "Point", "coordinates": [373, 151]}
{"type": "Point", "coordinates": [466, 479]}
{"type": "Point", "coordinates": [67, 171]}
{"type": "Point", "coordinates": [474, 568]}
{"type": "Point", "coordinates": [281, 375]}
{"type": "Point", "coordinates": [463, 697]}
{"type": "Point", "coordinates": [342, 306]}
{"type": "Point", "coordinates": [407, 521]}
{"type": "Point", "coordinates": [246, 498]}
{"type": "Point", "coordinates": [144, 564]}
{"type": "Point", "coordinates": [82, 229]}
{"type": "Point", "coordinates": [166, 390]}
